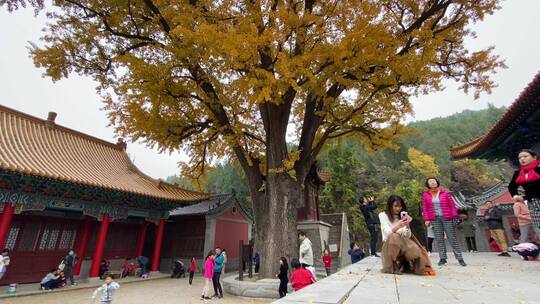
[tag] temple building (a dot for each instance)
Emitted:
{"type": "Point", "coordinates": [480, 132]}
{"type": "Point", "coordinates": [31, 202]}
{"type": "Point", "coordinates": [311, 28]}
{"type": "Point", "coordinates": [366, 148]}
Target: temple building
{"type": "Point", "coordinates": [518, 128]}
{"type": "Point", "coordinates": [196, 229]}
{"type": "Point", "coordinates": [61, 189]}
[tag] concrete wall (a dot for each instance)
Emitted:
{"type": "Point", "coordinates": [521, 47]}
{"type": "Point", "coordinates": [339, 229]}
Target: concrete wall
{"type": "Point", "coordinates": [318, 233]}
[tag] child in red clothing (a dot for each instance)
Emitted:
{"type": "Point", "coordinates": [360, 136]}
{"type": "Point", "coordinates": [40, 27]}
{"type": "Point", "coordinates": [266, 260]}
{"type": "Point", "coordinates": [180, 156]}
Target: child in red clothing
{"type": "Point", "coordinates": [192, 269]}
{"type": "Point", "coordinates": [127, 268]}
{"type": "Point", "coordinates": [327, 260]}
{"type": "Point", "coordinates": [301, 277]}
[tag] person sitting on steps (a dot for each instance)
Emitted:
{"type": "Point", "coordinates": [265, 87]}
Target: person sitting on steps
{"type": "Point", "coordinates": [401, 251]}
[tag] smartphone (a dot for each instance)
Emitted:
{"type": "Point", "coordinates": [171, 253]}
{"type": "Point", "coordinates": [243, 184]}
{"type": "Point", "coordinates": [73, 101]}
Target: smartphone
{"type": "Point", "coordinates": [403, 214]}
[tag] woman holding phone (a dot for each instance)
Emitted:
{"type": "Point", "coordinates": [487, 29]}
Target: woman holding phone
{"type": "Point", "coordinates": [439, 210]}
{"type": "Point", "coordinates": [401, 251]}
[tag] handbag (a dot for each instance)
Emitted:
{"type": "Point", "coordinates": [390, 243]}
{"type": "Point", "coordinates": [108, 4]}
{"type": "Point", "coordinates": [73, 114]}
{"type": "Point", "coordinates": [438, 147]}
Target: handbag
{"type": "Point", "coordinates": [61, 266]}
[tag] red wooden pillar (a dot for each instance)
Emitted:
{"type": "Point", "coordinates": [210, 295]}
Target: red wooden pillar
{"type": "Point", "coordinates": [140, 239]}
{"type": "Point", "coordinates": [100, 246]}
{"type": "Point", "coordinates": [83, 244]}
{"type": "Point", "coordinates": [5, 223]}
{"type": "Point", "coordinates": [157, 245]}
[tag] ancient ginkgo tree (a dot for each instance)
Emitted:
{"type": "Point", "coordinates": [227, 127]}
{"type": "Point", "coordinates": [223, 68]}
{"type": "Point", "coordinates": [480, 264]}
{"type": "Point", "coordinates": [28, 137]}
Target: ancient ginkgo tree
{"type": "Point", "coordinates": [241, 78]}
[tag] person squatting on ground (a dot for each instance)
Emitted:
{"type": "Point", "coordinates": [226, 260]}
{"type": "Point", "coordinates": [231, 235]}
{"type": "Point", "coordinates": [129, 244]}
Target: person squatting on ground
{"type": "Point", "coordinates": [106, 290]}
{"type": "Point", "coordinates": [468, 228]}
{"type": "Point", "coordinates": [103, 269]}
{"type": "Point", "coordinates": [4, 262]}
{"type": "Point", "coordinates": [327, 261]}
{"type": "Point", "coordinates": [529, 251]}
{"type": "Point", "coordinates": [300, 277]}
{"type": "Point", "coordinates": [527, 179]}
{"type": "Point", "coordinates": [192, 270]}
{"type": "Point", "coordinates": [401, 251]}
{"type": "Point", "coordinates": [218, 264]}
{"type": "Point", "coordinates": [50, 281]}
{"type": "Point", "coordinates": [283, 277]}
{"type": "Point", "coordinates": [439, 209]}
{"type": "Point", "coordinates": [368, 207]}
{"type": "Point", "coordinates": [208, 275]}
{"type": "Point", "coordinates": [356, 253]}
{"type": "Point", "coordinates": [178, 269]}
{"type": "Point", "coordinates": [493, 218]}
{"type": "Point", "coordinates": [127, 268]}
{"type": "Point", "coordinates": [143, 264]}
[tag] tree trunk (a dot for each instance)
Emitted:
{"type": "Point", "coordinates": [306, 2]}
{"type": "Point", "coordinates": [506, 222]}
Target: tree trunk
{"type": "Point", "coordinates": [275, 222]}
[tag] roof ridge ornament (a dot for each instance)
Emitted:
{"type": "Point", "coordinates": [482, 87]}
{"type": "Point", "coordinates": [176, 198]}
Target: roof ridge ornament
{"type": "Point", "coordinates": [51, 118]}
{"type": "Point", "coordinates": [120, 143]}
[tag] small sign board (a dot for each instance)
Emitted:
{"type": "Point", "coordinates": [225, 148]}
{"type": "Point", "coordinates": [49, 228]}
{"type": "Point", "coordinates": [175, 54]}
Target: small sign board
{"type": "Point", "coordinates": [333, 247]}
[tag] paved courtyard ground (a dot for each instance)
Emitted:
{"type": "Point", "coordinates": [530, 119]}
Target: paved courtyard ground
{"type": "Point", "coordinates": [163, 291]}
{"type": "Point", "coordinates": [487, 279]}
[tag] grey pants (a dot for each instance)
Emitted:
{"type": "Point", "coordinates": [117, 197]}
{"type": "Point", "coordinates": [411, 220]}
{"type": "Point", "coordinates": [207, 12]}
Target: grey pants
{"type": "Point", "coordinates": [440, 226]}
{"type": "Point", "coordinates": [525, 229]}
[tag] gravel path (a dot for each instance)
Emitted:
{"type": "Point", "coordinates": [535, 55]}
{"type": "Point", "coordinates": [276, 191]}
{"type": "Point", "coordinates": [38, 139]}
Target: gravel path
{"type": "Point", "coordinates": [164, 291]}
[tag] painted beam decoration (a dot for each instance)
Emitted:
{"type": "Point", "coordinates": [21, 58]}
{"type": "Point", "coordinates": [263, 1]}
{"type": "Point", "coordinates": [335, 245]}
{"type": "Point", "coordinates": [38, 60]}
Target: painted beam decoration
{"type": "Point", "coordinates": [38, 202]}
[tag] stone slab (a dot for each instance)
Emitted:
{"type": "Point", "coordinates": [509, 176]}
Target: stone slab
{"type": "Point", "coordinates": [487, 279]}
{"type": "Point", "coordinates": [374, 288]}
{"type": "Point", "coordinates": [335, 288]}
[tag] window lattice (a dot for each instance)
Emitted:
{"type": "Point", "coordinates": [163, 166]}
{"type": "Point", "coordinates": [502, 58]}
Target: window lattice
{"type": "Point", "coordinates": [51, 244]}
{"type": "Point", "coordinates": [29, 236]}
{"type": "Point", "coordinates": [44, 238]}
{"type": "Point", "coordinates": [49, 237]}
{"type": "Point", "coordinates": [67, 239]}
{"type": "Point", "coordinates": [12, 236]}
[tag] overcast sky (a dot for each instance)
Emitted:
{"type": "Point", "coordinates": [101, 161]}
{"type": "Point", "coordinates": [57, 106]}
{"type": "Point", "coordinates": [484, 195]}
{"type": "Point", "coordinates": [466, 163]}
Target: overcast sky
{"type": "Point", "coordinates": [513, 31]}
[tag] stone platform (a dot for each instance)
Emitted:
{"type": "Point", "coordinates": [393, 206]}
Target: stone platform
{"type": "Point", "coordinates": [487, 279]}
{"type": "Point", "coordinates": [265, 288]}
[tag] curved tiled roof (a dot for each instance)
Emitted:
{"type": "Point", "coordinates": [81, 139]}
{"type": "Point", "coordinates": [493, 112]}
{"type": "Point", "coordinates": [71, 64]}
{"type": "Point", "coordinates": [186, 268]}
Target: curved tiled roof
{"type": "Point", "coordinates": [215, 204]}
{"type": "Point", "coordinates": [38, 147]}
{"type": "Point", "coordinates": [523, 107]}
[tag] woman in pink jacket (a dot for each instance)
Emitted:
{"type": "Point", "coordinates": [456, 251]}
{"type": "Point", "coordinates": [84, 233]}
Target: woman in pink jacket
{"type": "Point", "coordinates": [439, 209]}
{"type": "Point", "coordinates": [208, 275]}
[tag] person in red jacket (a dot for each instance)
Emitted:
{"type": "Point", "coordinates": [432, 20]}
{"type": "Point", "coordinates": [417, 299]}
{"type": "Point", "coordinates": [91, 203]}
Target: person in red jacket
{"type": "Point", "coordinates": [327, 260]}
{"type": "Point", "coordinates": [192, 269]}
{"type": "Point", "coordinates": [439, 210]}
{"type": "Point", "coordinates": [300, 277]}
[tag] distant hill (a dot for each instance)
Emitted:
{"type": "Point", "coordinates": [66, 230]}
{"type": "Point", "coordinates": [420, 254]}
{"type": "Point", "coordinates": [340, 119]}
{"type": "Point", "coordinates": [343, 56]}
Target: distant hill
{"type": "Point", "coordinates": [438, 134]}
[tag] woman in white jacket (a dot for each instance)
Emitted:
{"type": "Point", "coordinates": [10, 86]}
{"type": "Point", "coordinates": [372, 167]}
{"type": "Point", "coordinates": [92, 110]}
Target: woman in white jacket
{"type": "Point", "coordinates": [401, 251]}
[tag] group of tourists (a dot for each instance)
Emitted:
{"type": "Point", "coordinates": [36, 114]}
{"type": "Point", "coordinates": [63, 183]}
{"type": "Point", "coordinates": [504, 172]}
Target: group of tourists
{"type": "Point", "coordinates": [58, 277]}
{"type": "Point", "coordinates": [401, 250]}
{"type": "Point", "coordinates": [525, 190]}
{"type": "Point", "coordinates": [303, 273]}
{"type": "Point", "coordinates": [214, 264]}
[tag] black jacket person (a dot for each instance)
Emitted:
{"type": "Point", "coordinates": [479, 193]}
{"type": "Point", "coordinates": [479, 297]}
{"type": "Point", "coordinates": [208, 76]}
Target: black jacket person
{"type": "Point", "coordinates": [368, 206]}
